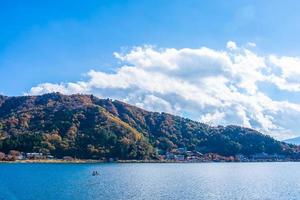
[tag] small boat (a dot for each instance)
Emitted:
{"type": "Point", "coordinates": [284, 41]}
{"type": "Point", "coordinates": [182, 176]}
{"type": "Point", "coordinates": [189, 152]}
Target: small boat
{"type": "Point", "coordinates": [95, 173]}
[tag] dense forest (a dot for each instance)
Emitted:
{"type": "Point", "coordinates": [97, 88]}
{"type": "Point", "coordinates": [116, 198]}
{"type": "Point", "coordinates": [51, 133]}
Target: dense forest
{"type": "Point", "coordinates": [84, 126]}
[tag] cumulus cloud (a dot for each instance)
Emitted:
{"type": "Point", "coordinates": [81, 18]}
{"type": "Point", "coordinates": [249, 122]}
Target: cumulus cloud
{"type": "Point", "coordinates": [212, 86]}
{"type": "Point", "coordinates": [288, 72]}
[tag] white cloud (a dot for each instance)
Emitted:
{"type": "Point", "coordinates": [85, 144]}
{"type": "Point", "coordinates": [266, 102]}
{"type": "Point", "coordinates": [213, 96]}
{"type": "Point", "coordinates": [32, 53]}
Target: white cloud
{"type": "Point", "coordinates": [69, 88]}
{"type": "Point", "coordinates": [213, 118]}
{"type": "Point", "coordinates": [231, 45]}
{"type": "Point", "coordinates": [288, 72]}
{"type": "Point", "coordinates": [215, 86]}
{"type": "Point", "coordinates": [251, 44]}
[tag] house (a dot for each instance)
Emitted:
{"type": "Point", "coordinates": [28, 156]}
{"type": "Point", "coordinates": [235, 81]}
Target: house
{"type": "Point", "coordinates": [2, 156]}
{"type": "Point", "coordinates": [34, 155]}
{"type": "Point", "coordinates": [68, 158]}
{"type": "Point", "coordinates": [280, 156]}
{"type": "Point", "coordinates": [16, 155]}
{"type": "Point", "coordinates": [50, 157]}
{"type": "Point", "coordinates": [240, 157]}
{"type": "Point", "coordinates": [170, 156]}
{"type": "Point", "coordinates": [22, 156]}
{"type": "Point", "coordinates": [193, 158]}
{"type": "Point", "coordinates": [181, 150]}
{"type": "Point", "coordinates": [262, 156]}
{"type": "Point", "coordinates": [179, 157]}
{"type": "Point", "coordinates": [197, 154]}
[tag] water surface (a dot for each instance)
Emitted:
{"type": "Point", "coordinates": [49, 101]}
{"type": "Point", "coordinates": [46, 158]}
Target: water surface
{"type": "Point", "coordinates": [150, 181]}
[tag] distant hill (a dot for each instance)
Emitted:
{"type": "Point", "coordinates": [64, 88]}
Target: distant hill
{"type": "Point", "coordinates": [295, 141]}
{"type": "Point", "coordinates": [85, 126]}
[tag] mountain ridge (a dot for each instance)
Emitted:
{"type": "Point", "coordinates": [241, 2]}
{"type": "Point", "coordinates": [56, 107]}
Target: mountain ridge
{"type": "Point", "coordinates": [85, 126]}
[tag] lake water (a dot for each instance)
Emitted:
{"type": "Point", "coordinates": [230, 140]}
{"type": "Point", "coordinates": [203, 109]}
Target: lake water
{"type": "Point", "coordinates": [150, 181]}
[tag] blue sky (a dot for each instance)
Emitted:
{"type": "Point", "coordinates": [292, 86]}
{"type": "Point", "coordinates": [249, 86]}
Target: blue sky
{"type": "Point", "coordinates": [216, 61]}
{"type": "Point", "coordinates": [58, 41]}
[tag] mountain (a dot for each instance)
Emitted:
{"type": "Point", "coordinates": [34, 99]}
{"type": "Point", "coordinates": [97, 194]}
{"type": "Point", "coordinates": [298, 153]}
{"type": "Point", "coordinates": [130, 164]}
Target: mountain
{"type": "Point", "coordinates": [85, 126]}
{"type": "Point", "coordinates": [295, 141]}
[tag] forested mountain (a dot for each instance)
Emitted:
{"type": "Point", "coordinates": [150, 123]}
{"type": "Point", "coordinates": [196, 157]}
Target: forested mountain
{"type": "Point", "coordinates": [85, 126]}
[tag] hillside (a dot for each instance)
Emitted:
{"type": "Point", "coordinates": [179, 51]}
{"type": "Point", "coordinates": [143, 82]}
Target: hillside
{"type": "Point", "coordinates": [84, 126]}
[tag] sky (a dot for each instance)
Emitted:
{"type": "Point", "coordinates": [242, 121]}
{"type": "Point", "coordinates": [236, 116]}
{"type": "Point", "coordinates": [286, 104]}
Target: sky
{"type": "Point", "coordinates": [219, 62]}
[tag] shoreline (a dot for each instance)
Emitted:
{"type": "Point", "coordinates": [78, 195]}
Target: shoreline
{"type": "Point", "coordinates": [79, 161]}
{"type": "Point", "coordinates": [55, 161]}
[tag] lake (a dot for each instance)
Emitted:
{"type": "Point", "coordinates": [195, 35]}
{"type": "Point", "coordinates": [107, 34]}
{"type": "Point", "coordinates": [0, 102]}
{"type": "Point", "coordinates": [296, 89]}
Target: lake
{"type": "Point", "coordinates": [150, 181]}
